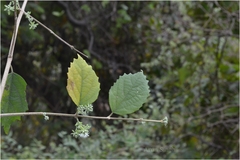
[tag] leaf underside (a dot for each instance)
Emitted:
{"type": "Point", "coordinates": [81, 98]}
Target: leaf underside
{"type": "Point", "coordinates": [13, 100]}
{"type": "Point", "coordinates": [128, 93]}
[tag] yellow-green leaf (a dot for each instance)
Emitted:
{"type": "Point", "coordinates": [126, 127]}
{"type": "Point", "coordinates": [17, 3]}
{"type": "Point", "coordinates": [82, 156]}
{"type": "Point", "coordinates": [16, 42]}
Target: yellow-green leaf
{"type": "Point", "coordinates": [82, 84]}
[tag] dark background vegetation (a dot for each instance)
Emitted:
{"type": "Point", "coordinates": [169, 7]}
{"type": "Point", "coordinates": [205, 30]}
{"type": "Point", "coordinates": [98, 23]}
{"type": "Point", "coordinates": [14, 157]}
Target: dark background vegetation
{"type": "Point", "coordinates": [188, 51]}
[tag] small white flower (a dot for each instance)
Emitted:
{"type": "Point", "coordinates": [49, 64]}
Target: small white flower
{"type": "Point", "coordinates": [45, 116]}
{"type": "Point", "coordinates": [143, 122]}
{"type": "Point", "coordinates": [165, 121]}
{"type": "Point", "coordinates": [84, 135]}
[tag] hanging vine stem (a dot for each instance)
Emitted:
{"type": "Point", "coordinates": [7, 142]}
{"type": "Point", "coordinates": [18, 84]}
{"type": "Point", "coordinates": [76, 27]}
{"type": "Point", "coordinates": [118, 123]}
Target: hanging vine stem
{"type": "Point", "coordinates": [14, 37]}
{"type": "Point", "coordinates": [69, 45]}
{"type": "Point", "coordinates": [12, 45]}
{"type": "Point", "coordinates": [165, 120]}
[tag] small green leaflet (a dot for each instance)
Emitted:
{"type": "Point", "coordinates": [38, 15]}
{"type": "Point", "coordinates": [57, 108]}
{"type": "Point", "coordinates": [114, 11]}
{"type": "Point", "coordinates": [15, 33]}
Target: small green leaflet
{"type": "Point", "coordinates": [13, 100]}
{"type": "Point", "coordinates": [129, 93]}
{"type": "Point", "coordinates": [82, 83]}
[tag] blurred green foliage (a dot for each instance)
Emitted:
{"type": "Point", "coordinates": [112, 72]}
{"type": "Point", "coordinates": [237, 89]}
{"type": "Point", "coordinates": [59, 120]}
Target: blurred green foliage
{"type": "Point", "coordinates": [188, 50]}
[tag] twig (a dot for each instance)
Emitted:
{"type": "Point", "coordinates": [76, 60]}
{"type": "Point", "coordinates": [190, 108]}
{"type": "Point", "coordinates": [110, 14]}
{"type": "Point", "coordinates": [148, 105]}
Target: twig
{"type": "Point", "coordinates": [69, 45]}
{"type": "Point", "coordinates": [79, 116]}
{"type": "Point", "coordinates": [11, 49]}
{"type": "Point", "coordinates": [209, 112]}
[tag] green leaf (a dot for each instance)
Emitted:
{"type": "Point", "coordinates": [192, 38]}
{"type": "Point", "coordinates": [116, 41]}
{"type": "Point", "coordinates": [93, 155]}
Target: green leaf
{"type": "Point", "coordinates": [233, 111]}
{"type": "Point", "coordinates": [105, 3]}
{"type": "Point", "coordinates": [13, 100]}
{"type": "Point", "coordinates": [82, 84]}
{"type": "Point", "coordinates": [57, 13]}
{"type": "Point", "coordinates": [96, 64]}
{"type": "Point", "coordinates": [183, 74]}
{"type": "Point", "coordinates": [87, 53]}
{"type": "Point", "coordinates": [129, 93]}
{"type": "Point", "coordinates": [86, 8]}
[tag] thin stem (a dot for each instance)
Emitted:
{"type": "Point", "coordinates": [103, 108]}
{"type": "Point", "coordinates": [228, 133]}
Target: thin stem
{"type": "Point", "coordinates": [71, 46]}
{"type": "Point", "coordinates": [110, 115]}
{"type": "Point", "coordinates": [11, 68]}
{"type": "Point", "coordinates": [79, 116]}
{"type": "Point", "coordinates": [11, 49]}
